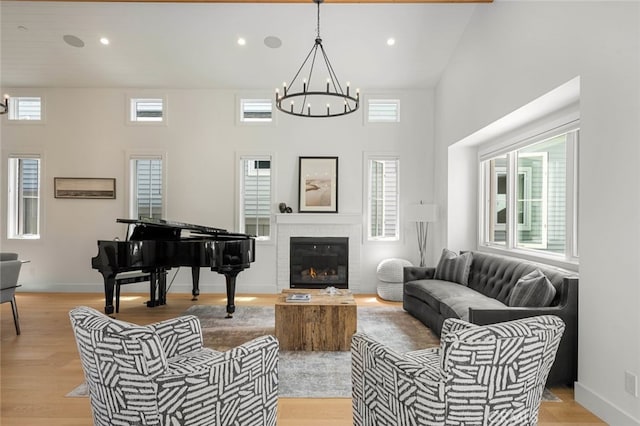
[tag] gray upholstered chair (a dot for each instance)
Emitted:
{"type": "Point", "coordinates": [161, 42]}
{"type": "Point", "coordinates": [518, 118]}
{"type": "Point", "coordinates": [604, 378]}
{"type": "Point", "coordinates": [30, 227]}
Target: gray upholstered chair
{"type": "Point", "coordinates": [161, 374]}
{"type": "Point", "coordinates": [9, 272]}
{"type": "Point", "coordinates": [480, 375]}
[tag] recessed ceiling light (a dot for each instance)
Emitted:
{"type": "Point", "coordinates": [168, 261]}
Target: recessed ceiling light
{"type": "Point", "coordinates": [272, 42]}
{"type": "Point", "coordinates": [242, 41]}
{"type": "Point", "coordinates": [104, 41]}
{"type": "Point", "coordinates": [391, 41]}
{"type": "Point", "coordinates": [72, 40]}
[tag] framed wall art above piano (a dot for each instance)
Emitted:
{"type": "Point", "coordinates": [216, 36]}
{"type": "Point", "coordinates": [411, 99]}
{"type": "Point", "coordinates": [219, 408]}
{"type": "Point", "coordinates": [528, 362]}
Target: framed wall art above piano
{"type": "Point", "coordinates": [66, 187]}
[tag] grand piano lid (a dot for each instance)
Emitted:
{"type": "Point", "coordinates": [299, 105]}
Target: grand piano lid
{"type": "Point", "coordinates": [180, 226]}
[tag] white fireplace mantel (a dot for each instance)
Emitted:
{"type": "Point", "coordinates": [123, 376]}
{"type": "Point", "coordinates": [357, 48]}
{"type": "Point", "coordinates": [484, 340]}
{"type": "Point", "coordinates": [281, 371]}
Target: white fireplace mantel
{"type": "Point", "coordinates": [319, 218]}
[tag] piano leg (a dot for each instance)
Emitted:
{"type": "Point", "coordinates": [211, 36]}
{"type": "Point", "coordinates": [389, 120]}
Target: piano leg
{"type": "Point", "coordinates": [109, 284]}
{"type": "Point", "coordinates": [157, 288]}
{"type": "Point", "coordinates": [162, 287]}
{"type": "Point", "coordinates": [152, 289]}
{"type": "Point", "coordinates": [230, 277]}
{"type": "Point", "coordinates": [195, 280]}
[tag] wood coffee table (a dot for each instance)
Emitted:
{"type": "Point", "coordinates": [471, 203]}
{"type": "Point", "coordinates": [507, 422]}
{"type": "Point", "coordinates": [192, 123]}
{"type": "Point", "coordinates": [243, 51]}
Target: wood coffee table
{"type": "Point", "coordinates": [326, 323]}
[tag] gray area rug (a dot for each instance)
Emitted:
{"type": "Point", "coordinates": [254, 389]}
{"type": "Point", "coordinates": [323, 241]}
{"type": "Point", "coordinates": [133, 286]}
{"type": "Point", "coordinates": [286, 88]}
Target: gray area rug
{"type": "Point", "coordinates": [311, 374]}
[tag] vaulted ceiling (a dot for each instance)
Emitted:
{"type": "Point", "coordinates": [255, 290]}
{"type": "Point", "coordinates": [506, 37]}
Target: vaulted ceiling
{"type": "Point", "coordinates": [195, 44]}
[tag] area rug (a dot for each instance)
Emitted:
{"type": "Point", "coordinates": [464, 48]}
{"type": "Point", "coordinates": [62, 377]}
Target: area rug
{"type": "Point", "coordinates": [311, 374]}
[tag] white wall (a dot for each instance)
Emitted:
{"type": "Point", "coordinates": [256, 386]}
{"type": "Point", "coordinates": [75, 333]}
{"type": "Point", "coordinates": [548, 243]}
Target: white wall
{"type": "Point", "coordinates": [511, 54]}
{"type": "Point", "coordinates": [85, 135]}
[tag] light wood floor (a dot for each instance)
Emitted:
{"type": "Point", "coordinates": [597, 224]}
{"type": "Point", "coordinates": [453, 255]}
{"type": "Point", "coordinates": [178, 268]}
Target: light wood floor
{"type": "Point", "coordinates": [39, 367]}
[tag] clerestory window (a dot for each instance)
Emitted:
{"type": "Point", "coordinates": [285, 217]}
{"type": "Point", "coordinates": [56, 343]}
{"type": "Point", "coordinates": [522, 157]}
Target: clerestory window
{"type": "Point", "coordinates": [25, 108]}
{"type": "Point", "coordinates": [147, 110]}
{"type": "Point", "coordinates": [256, 110]}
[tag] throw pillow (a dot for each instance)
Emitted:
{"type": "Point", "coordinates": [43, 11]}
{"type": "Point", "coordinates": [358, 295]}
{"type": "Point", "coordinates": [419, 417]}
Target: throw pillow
{"type": "Point", "coordinates": [532, 290]}
{"type": "Point", "coordinates": [453, 267]}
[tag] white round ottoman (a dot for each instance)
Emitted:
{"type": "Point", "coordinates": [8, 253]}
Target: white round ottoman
{"type": "Point", "coordinates": [389, 275]}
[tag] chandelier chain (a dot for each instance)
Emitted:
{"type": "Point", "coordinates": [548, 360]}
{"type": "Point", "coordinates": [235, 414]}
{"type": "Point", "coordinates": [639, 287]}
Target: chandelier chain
{"type": "Point", "coordinates": [318, 27]}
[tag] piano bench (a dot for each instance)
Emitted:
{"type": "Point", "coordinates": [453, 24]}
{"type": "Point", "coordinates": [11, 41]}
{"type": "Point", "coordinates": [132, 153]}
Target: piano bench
{"type": "Point", "coordinates": [129, 278]}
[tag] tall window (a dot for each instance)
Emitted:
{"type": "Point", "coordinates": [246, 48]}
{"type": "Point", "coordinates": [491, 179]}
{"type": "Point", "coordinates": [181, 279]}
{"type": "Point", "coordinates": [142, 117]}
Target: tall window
{"type": "Point", "coordinates": [383, 196]}
{"type": "Point", "coordinates": [529, 195]}
{"type": "Point", "coordinates": [147, 199]}
{"type": "Point", "coordinates": [255, 196]}
{"type": "Point", "coordinates": [24, 197]}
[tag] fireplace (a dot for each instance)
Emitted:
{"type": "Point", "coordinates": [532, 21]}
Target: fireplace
{"type": "Point", "coordinates": [319, 262]}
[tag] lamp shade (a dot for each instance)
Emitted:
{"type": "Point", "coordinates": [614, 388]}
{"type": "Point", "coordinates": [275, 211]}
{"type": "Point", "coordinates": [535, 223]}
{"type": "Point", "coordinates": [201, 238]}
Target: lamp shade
{"type": "Point", "coordinates": [422, 213]}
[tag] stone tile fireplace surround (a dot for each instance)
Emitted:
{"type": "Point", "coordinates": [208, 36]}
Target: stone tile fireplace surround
{"type": "Point", "coordinates": [318, 225]}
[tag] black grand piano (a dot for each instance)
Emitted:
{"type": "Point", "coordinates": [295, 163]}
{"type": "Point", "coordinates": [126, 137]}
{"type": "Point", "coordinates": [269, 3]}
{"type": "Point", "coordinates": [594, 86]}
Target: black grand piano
{"type": "Point", "coordinates": [154, 246]}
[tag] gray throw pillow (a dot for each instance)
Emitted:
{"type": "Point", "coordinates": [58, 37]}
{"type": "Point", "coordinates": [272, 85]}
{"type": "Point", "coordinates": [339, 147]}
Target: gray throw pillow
{"type": "Point", "coordinates": [453, 267]}
{"type": "Point", "coordinates": [532, 290]}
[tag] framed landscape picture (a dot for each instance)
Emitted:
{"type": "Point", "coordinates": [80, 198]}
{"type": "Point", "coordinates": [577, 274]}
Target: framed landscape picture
{"type": "Point", "coordinates": [318, 185]}
{"type": "Point", "coordinates": [84, 187]}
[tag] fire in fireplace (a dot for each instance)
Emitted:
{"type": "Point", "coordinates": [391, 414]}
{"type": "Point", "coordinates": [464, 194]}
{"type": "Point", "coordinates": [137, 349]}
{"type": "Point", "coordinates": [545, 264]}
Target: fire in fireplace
{"type": "Point", "coordinates": [319, 262]}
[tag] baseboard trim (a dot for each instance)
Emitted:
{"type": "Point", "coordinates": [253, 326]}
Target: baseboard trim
{"type": "Point", "coordinates": [601, 407]}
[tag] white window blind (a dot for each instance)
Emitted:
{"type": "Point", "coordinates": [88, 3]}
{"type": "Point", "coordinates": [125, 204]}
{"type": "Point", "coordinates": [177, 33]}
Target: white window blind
{"type": "Point", "coordinates": [147, 194]}
{"type": "Point", "coordinates": [149, 110]}
{"type": "Point", "coordinates": [25, 108]}
{"type": "Point", "coordinates": [383, 110]}
{"type": "Point", "coordinates": [256, 110]}
{"type": "Point", "coordinates": [383, 199]}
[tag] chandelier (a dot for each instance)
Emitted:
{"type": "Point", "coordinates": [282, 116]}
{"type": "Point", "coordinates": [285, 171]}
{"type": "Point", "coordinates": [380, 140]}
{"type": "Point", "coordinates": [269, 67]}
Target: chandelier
{"type": "Point", "coordinates": [319, 101]}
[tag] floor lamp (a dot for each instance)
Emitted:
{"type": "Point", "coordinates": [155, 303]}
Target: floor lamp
{"type": "Point", "coordinates": [422, 214]}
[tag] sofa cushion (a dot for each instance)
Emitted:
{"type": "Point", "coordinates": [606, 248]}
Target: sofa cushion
{"type": "Point", "coordinates": [532, 290]}
{"type": "Point", "coordinates": [458, 307]}
{"type": "Point", "coordinates": [450, 299]}
{"type": "Point", "coordinates": [453, 267]}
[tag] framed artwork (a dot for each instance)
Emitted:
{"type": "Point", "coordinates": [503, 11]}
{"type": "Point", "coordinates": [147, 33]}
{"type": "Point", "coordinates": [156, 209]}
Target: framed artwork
{"type": "Point", "coordinates": [318, 185]}
{"type": "Point", "coordinates": [84, 187]}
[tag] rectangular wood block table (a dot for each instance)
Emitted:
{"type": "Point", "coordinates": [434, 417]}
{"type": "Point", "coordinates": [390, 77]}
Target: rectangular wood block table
{"type": "Point", "coordinates": [325, 323]}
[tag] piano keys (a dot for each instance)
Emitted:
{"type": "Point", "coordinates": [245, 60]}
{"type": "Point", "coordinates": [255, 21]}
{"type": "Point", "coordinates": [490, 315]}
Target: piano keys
{"type": "Point", "coordinates": [155, 246]}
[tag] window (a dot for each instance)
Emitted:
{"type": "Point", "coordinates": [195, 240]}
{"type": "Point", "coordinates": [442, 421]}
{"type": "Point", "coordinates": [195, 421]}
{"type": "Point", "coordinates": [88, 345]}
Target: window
{"type": "Point", "coordinates": [383, 110]}
{"type": "Point", "coordinates": [147, 194]}
{"type": "Point", "coordinates": [529, 195]}
{"type": "Point", "coordinates": [256, 110]}
{"type": "Point", "coordinates": [255, 196]}
{"type": "Point", "coordinates": [383, 197]}
{"type": "Point", "coordinates": [146, 110]}
{"type": "Point", "coordinates": [25, 108]}
{"type": "Point", "coordinates": [24, 197]}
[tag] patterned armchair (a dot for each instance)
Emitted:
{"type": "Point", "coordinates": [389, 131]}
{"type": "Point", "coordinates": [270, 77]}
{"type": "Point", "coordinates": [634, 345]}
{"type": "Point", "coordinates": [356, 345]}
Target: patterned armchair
{"type": "Point", "coordinates": [480, 375]}
{"type": "Point", "coordinates": [161, 374]}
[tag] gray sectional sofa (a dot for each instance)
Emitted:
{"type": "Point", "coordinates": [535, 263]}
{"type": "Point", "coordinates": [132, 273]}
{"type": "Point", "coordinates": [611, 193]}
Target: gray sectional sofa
{"type": "Point", "coordinates": [483, 294]}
